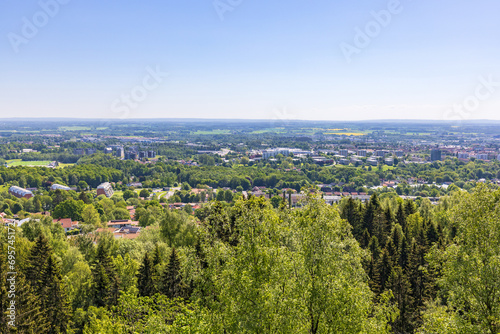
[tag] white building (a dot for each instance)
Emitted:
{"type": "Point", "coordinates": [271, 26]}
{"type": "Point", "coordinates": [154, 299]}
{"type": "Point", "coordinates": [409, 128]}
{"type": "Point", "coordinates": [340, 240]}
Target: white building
{"type": "Point", "coordinates": [56, 186]}
{"type": "Point", "coordinates": [274, 152]}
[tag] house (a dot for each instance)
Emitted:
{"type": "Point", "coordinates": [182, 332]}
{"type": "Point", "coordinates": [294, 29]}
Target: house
{"type": "Point", "coordinates": [20, 192]}
{"type": "Point", "coordinates": [67, 223]}
{"type": "Point", "coordinates": [122, 223]}
{"type": "Point", "coordinates": [105, 189]}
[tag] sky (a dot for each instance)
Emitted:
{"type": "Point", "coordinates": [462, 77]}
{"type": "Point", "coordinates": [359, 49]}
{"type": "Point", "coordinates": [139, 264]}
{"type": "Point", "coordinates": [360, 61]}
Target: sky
{"type": "Point", "coordinates": [250, 59]}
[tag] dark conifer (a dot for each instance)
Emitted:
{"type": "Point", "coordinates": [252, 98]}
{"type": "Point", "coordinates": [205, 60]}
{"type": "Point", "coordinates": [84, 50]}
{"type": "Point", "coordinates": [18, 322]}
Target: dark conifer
{"type": "Point", "coordinates": [384, 269]}
{"type": "Point", "coordinates": [401, 217]}
{"type": "Point", "coordinates": [145, 277]}
{"type": "Point", "coordinates": [55, 303]}
{"type": "Point", "coordinates": [105, 279]}
{"type": "Point", "coordinates": [37, 263]}
{"type": "Point", "coordinates": [351, 213]}
{"type": "Point", "coordinates": [365, 239]}
{"type": "Point", "coordinates": [172, 285]}
{"type": "Point", "coordinates": [401, 290]}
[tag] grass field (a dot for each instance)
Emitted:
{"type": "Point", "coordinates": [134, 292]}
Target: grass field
{"type": "Point", "coordinates": [345, 133]}
{"type": "Point", "coordinates": [74, 128]}
{"type": "Point", "coordinates": [19, 162]}
{"type": "Point", "coordinates": [213, 132]}
{"type": "Point", "coordinates": [61, 165]}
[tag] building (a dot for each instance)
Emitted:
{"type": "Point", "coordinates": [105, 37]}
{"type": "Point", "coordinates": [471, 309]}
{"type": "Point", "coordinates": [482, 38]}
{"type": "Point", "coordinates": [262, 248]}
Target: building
{"type": "Point", "coordinates": [380, 153]}
{"type": "Point", "coordinates": [344, 153]}
{"type": "Point", "coordinates": [78, 151]}
{"type": "Point", "coordinates": [361, 153]}
{"type": "Point", "coordinates": [435, 155]}
{"type": "Point", "coordinates": [400, 154]}
{"type": "Point", "coordinates": [105, 189]}
{"type": "Point", "coordinates": [129, 155]}
{"type": "Point", "coordinates": [120, 153]}
{"type": "Point", "coordinates": [482, 156]}
{"type": "Point", "coordinates": [67, 224]}
{"type": "Point", "coordinates": [463, 155]}
{"type": "Point", "coordinates": [56, 186]}
{"type": "Point", "coordinates": [108, 150]}
{"type": "Point", "coordinates": [20, 192]}
{"type": "Point", "coordinates": [274, 152]}
{"type": "Point", "coordinates": [389, 161]}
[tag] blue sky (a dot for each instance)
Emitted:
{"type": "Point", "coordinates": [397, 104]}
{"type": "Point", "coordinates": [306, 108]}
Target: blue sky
{"type": "Point", "coordinates": [258, 59]}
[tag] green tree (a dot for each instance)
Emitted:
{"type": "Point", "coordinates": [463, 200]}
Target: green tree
{"type": "Point", "coordinates": [144, 193]}
{"type": "Point", "coordinates": [145, 282]}
{"type": "Point", "coordinates": [471, 264]}
{"type": "Point", "coordinates": [91, 216]}
{"type": "Point", "coordinates": [69, 209]}
{"type": "Point", "coordinates": [172, 285]}
{"type": "Point", "coordinates": [105, 285]}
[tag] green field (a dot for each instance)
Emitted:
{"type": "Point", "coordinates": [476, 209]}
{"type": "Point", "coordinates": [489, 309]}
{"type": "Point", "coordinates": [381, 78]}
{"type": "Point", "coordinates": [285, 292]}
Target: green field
{"type": "Point", "coordinates": [213, 132]}
{"type": "Point", "coordinates": [61, 165]}
{"type": "Point", "coordinates": [74, 128]}
{"type": "Point", "coordinates": [19, 162]}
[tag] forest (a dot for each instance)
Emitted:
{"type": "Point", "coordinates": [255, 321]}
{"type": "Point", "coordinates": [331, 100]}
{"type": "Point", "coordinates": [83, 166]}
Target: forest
{"type": "Point", "coordinates": [386, 266]}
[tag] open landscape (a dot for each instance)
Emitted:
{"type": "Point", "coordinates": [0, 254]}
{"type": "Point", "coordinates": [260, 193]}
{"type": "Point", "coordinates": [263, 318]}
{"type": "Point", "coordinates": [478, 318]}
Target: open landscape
{"type": "Point", "coordinates": [250, 167]}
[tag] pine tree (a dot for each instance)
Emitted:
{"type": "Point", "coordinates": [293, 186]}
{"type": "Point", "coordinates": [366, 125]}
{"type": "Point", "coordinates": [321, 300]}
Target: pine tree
{"type": "Point", "coordinates": [29, 315]}
{"type": "Point", "coordinates": [105, 279]}
{"type": "Point", "coordinates": [404, 254]}
{"type": "Point", "coordinates": [432, 233]}
{"type": "Point", "coordinates": [365, 239]}
{"type": "Point", "coordinates": [55, 303]}
{"type": "Point", "coordinates": [145, 282]}
{"type": "Point", "coordinates": [351, 213]}
{"type": "Point", "coordinates": [410, 207]}
{"type": "Point", "coordinates": [401, 217]}
{"type": "Point", "coordinates": [401, 289]}
{"type": "Point", "coordinates": [384, 268]}
{"type": "Point", "coordinates": [100, 285]}
{"type": "Point", "coordinates": [389, 219]}
{"type": "Point", "coordinates": [380, 229]}
{"type": "Point", "coordinates": [38, 258]}
{"type": "Point", "coordinates": [172, 285]}
{"type": "Point", "coordinates": [156, 256]}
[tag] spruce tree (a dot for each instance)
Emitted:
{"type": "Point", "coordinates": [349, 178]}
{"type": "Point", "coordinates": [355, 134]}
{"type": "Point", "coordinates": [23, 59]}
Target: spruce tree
{"type": "Point", "coordinates": [30, 317]}
{"type": "Point", "coordinates": [105, 279]}
{"type": "Point", "coordinates": [351, 213]}
{"type": "Point", "coordinates": [365, 239]}
{"type": "Point", "coordinates": [145, 282]}
{"type": "Point", "coordinates": [172, 285]}
{"type": "Point", "coordinates": [100, 285]}
{"type": "Point", "coordinates": [37, 263]}
{"type": "Point", "coordinates": [384, 269]}
{"type": "Point", "coordinates": [55, 303]}
{"type": "Point", "coordinates": [401, 217]}
{"type": "Point", "coordinates": [401, 290]}
{"type": "Point", "coordinates": [404, 254]}
{"type": "Point", "coordinates": [410, 207]}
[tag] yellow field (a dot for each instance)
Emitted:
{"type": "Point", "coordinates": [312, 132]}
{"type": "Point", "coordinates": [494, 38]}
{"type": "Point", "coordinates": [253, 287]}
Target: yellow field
{"type": "Point", "coordinates": [345, 133]}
